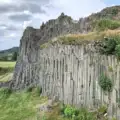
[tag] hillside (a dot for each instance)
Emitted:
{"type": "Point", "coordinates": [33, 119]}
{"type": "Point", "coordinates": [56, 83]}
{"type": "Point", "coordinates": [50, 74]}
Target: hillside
{"type": "Point", "coordinates": [8, 51]}
{"type": "Point", "coordinates": [7, 54]}
{"type": "Point", "coordinates": [108, 13]}
{"type": "Point", "coordinates": [6, 71]}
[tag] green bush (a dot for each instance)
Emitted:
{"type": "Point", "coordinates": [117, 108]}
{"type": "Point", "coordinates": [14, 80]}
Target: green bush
{"type": "Point", "coordinates": [108, 46]}
{"type": "Point", "coordinates": [14, 56]}
{"type": "Point", "coordinates": [85, 115]}
{"type": "Point", "coordinates": [110, 69]}
{"type": "Point", "coordinates": [105, 24]}
{"type": "Point", "coordinates": [114, 11]}
{"type": "Point", "coordinates": [76, 114]}
{"type": "Point", "coordinates": [5, 92]}
{"type": "Point", "coordinates": [116, 38]}
{"type": "Point", "coordinates": [117, 51]}
{"type": "Point", "coordinates": [102, 109]}
{"type": "Point", "coordinates": [69, 111]}
{"type": "Point", "coordinates": [105, 83]}
{"type": "Point", "coordinates": [111, 46]}
{"type": "Point", "coordinates": [62, 108]}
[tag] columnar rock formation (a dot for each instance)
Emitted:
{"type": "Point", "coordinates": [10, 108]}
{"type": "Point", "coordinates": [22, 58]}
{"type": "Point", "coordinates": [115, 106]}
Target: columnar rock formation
{"type": "Point", "coordinates": [30, 46]}
{"type": "Point", "coordinates": [70, 72]}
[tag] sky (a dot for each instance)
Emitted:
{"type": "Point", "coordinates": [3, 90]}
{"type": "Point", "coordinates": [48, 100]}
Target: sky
{"type": "Point", "coordinates": [16, 15]}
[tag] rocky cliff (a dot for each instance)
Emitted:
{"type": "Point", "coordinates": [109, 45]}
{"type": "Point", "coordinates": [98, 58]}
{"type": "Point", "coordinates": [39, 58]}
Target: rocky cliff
{"type": "Point", "coordinates": [70, 72]}
{"type": "Point", "coordinates": [29, 54]}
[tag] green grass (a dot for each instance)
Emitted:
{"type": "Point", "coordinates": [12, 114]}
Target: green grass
{"type": "Point", "coordinates": [105, 24]}
{"type": "Point", "coordinates": [6, 70]}
{"type": "Point", "coordinates": [19, 105]}
{"type": "Point", "coordinates": [80, 114]}
{"type": "Point", "coordinates": [78, 39]}
{"type": "Point", "coordinates": [5, 64]}
{"type": "Point", "coordinates": [6, 77]}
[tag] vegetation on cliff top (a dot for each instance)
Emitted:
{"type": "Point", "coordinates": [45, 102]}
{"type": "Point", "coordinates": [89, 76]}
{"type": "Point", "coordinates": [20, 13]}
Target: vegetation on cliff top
{"type": "Point", "coordinates": [109, 41]}
{"type": "Point", "coordinates": [102, 24]}
{"type": "Point", "coordinates": [107, 13]}
{"type": "Point", "coordinates": [105, 24]}
{"type": "Point", "coordinates": [77, 39]}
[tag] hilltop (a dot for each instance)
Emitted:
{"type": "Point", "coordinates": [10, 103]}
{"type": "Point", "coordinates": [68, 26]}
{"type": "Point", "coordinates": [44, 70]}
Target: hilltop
{"type": "Point", "coordinates": [8, 53]}
{"type": "Point", "coordinates": [107, 13]}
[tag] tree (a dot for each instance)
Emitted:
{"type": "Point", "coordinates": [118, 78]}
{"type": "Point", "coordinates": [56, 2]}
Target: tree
{"type": "Point", "coordinates": [14, 57]}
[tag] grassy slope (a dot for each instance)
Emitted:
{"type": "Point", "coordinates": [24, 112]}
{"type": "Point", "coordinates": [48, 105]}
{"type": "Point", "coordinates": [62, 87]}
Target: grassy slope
{"type": "Point", "coordinates": [77, 39]}
{"type": "Point", "coordinates": [8, 52]}
{"type": "Point", "coordinates": [23, 105]}
{"type": "Point", "coordinates": [6, 70]}
{"type": "Point", "coordinates": [19, 105]}
{"type": "Point", "coordinates": [5, 64]}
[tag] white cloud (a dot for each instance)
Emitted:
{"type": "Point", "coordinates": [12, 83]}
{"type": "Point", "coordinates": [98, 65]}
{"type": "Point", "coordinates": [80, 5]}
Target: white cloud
{"type": "Point", "coordinates": [26, 23]}
{"type": "Point", "coordinates": [27, 12]}
{"type": "Point", "coordinates": [5, 1]}
{"type": "Point", "coordinates": [53, 8]}
{"type": "Point", "coordinates": [74, 8]}
{"type": "Point", "coordinates": [3, 27]}
{"type": "Point", "coordinates": [10, 35]}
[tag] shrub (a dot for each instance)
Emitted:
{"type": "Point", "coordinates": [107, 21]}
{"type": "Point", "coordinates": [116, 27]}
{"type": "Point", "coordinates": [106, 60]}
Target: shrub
{"type": "Point", "coordinates": [114, 11]}
{"type": "Point", "coordinates": [69, 111]}
{"type": "Point", "coordinates": [117, 51]}
{"type": "Point", "coordinates": [118, 101]}
{"type": "Point", "coordinates": [14, 56]}
{"type": "Point", "coordinates": [105, 83]}
{"type": "Point", "coordinates": [5, 92]}
{"type": "Point", "coordinates": [108, 46]}
{"type": "Point", "coordinates": [102, 109]}
{"type": "Point", "coordinates": [62, 108]}
{"type": "Point", "coordinates": [85, 115]}
{"type": "Point", "coordinates": [105, 24]}
{"type": "Point", "coordinates": [110, 69]}
{"type": "Point", "coordinates": [116, 38]}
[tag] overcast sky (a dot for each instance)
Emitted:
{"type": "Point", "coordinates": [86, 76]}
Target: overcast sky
{"type": "Point", "coordinates": [15, 15]}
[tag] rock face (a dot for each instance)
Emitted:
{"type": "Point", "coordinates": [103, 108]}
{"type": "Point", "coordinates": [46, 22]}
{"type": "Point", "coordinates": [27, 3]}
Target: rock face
{"type": "Point", "coordinates": [72, 73]}
{"type": "Point", "coordinates": [69, 72]}
{"type": "Point", "coordinates": [26, 70]}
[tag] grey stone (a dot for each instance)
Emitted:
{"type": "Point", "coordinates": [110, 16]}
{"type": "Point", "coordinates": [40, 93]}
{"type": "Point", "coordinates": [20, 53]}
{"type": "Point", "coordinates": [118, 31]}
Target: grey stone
{"type": "Point", "coordinates": [69, 72]}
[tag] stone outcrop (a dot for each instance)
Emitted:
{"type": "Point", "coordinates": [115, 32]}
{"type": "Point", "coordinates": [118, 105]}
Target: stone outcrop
{"type": "Point", "coordinates": [72, 74]}
{"type": "Point", "coordinates": [69, 72]}
{"type": "Point", "coordinates": [29, 53]}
